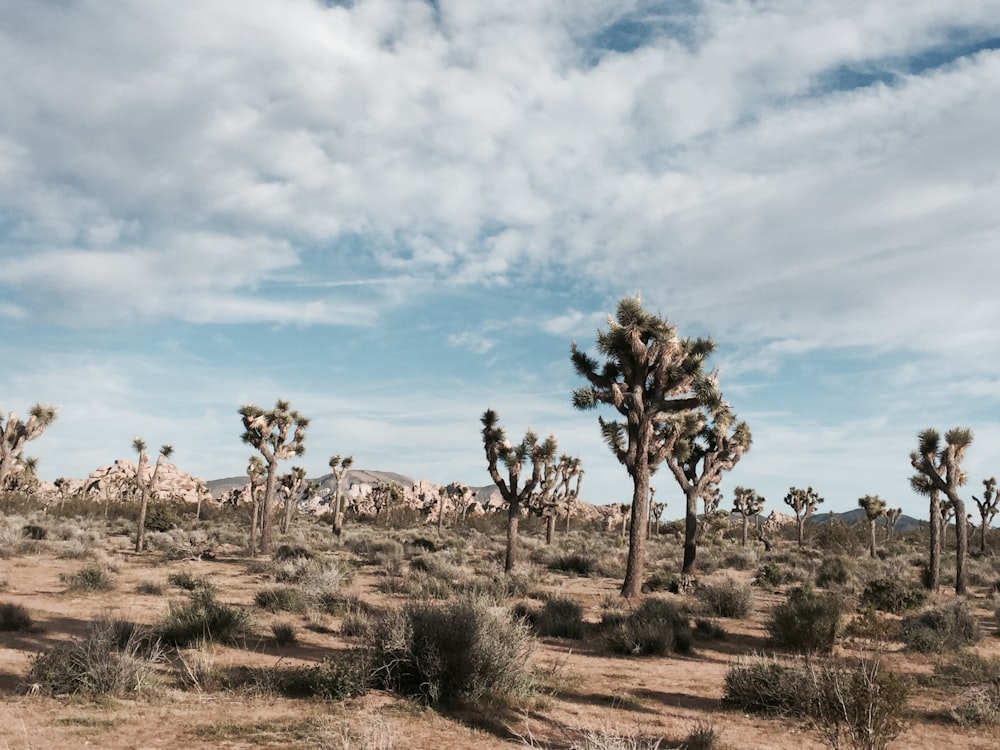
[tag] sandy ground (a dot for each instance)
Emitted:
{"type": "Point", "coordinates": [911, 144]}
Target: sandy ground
{"type": "Point", "coordinates": [590, 689]}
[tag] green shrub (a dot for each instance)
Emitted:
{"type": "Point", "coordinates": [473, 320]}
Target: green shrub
{"type": "Point", "coordinates": [705, 629]}
{"type": "Point", "coordinates": [188, 582]}
{"type": "Point", "coordinates": [575, 562]}
{"type": "Point", "coordinates": [89, 578]}
{"type": "Point", "coordinates": [807, 621]}
{"type": "Point", "coordinates": [663, 579]}
{"type": "Point", "coordinates": [99, 664]}
{"type": "Point", "coordinates": [34, 531]}
{"type": "Point", "coordinates": [774, 574]}
{"type": "Point", "coordinates": [459, 650]}
{"type": "Point", "coordinates": [15, 617]}
{"type": "Point", "coordinates": [280, 599]}
{"type": "Point", "coordinates": [892, 595]}
{"type": "Point", "coordinates": [656, 628]}
{"type": "Point", "coordinates": [940, 630]}
{"type": "Point", "coordinates": [726, 596]}
{"type": "Point", "coordinates": [203, 618]}
{"type": "Point", "coordinates": [833, 571]}
{"type": "Point", "coordinates": [336, 678]}
{"type": "Point", "coordinates": [163, 517]}
{"type": "Point", "coordinates": [560, 617]}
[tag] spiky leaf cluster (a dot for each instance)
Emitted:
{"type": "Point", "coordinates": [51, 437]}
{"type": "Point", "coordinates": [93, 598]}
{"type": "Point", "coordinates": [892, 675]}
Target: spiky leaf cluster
{"type": "Point", "coordinates": [873, 506]}
{"type": "Point", "coordinates": [278, 433]}
{"type": "Point", "coordinates": [747, 502]}
{"type": "Point", "coordinates": [803, 502]}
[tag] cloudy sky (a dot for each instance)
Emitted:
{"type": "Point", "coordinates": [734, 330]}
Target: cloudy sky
{"type": "Point", "coordinates": [397, 213]}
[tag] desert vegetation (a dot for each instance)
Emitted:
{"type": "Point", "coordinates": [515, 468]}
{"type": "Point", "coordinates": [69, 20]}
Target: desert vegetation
{"type": "Point", "coordinates": [382, 624]}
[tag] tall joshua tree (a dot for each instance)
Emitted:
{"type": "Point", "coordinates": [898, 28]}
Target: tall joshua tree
{"type": "Point", "coordinates": [146, 487]}
{"type": "Point", "coordinates": [543, 501]}
{"type": "Point", "coordinates": [988, 508]}
{"type": "Point", "coordinates": [747, 503]}
{"type": "Point", "coordinates": [649, 376]}
{"type": "Point", "coordinates": [569, 470]}
{"type": "Point", "coordinates": [291, 486]}
{"type": "Point", "coordinates": [939, 469]}
{"type": "Point", "coordinates": [892, 516]}
{"type": "Point", "coordinates": [702, 444]}
{"type": "Point", "coordinates": [257, 473]}
{"type": "Point", "coordinates": [278, 434]}
{"type": "Point", "coordinates": [339, 466]}
{"type": "Point", "coordinates": [804, 503]}
{"type": "Point", "coordinates": [14, 433]}
{"type": "Point", "coordinates": [499, 450]}
{"type": "Point", "coordinates": [874, 508]}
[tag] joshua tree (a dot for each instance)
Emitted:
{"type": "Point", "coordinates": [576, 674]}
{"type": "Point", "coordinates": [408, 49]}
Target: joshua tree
{"type": "Point", "coordinates": [892, 516]}
{"type": "Point", "coordinates": [339, 467]}
{"type": "Point", "coordinates": [146, 488]}
{"type": "Point", "coordinates": [499, 450]}
{"type": "Point", "coordinates": [939, 468]}
{"type": "Point", "coordinates": [874, 508]}
{"type": "Point", "coordinates": [804, 503]}
{"type": "Point", "coordinates": [278, 434]}
{"type": "Point", "coordinates": [544, 501]}
{"type": "Point", "coordinates": [988, 508]}
{"type": "Point", "coordinates": [701, 445]}
{"type": "Point", "coordinates": [569, 469]}
{"type": "Point", "coordinates": [14, 434]}
{"type": "Point", "coordinates": [257, 473]}
{"type": "Point", "coordinates": [291, 487]}
{"type": "Point", "coordinates": [747, 503]}
{"type": "Point", "coordinates": [649, 376]}
{"type": "Point", "coordinates": [383, 496]}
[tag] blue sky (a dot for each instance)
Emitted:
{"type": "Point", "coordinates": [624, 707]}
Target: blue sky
{"type": "Point", "coordinates": [397, 213]}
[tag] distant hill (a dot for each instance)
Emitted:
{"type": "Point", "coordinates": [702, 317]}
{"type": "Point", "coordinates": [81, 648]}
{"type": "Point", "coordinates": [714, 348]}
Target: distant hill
{"type": "Point", "coordinates": [851, 517]}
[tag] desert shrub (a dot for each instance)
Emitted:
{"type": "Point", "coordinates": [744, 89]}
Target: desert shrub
{"type": "Point", "coordinates": [89, 578]}
{"type": "Point", "coordinates": [656, 628]}
{"type": "Point", "coordinates": [163, 517]}
{"type": "Point", "coordinates": [760, 685]}
{"type": "Point", "coordinates": [459, 650]}
{"type": "Point", "coordinates": [726, 596]}
{"type": "Point", "coordinates": [807, 621]}
{"type": "Point", "coordinates": [284, 633]}
{"type": "Point", "coordinates": [292, 552]}
{"type": "Point", "coordinates": [336, 678]}
{"type": "Point", "coordinates": [280, 599]}
{"type": "Point", "coordinates": [663, 579]}
{"type": "Point", "coordinates": [833, 571]}
{"type": "Point", "coordinates": [15, 617]}
{"type": "Point", "coordinates": [892, 595]}
{"type": "Point", "coordinates": [34, 531]}
{"type": "Point", "coordinates": [873, 626]}
{"type": "Point", "coordinates": [705, 629]}
{"type": "Point", "coordinates": [150, 588]}
{"type": "Point", "coordinates": [703, 736]}
{"type": "Point", "coordinates": [774, 574]}
{"type": "Point", "coordinates": [559, 617]}
{"type": "Point", "coordinates": [980, 705]}
{"type": "Point", "coordinates": [202, 618]}
{"type": "Point", "coordinates": [575, 562]}
{"type": "Point", "coordinates": [356, 625]}
{"type": "Point", "coordinates": [965, 669]}
{"type": "Point", "coordinates": [188, 582]}
{"type": "Point", "coordinates": [739, 560]}
{"type": "Point", "coordinates": [105, 662]}
{"type": "Point", "coordinates": [859, 705]}
{"type": "Point", "coordinates": [940, 630]}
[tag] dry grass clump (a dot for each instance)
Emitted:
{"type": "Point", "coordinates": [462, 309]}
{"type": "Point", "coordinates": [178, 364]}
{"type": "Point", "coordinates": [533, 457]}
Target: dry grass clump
{"type": "Point", "coordinates": [940, 630]}
{"type": "Point", "coordinates": [893, 595]}
{"type": "Point", "coordinates": [558, 617]}
{"type": "Point", "coordinates": [15, 618]}
{"type": "Point", "coordinates": [462, 650]}
{"type": "Point", "coordinates": [203, 619]}
{"type": "Point", "coordinates": [92, 577]}
{"type": "Point", "coordinates": [807, 621]}
{"type": "Point", "coordinates": [113, 659]}
{"type": "Point", "coordinates": [726, 596]}
{"type": "Point", "coordinates": [655, 628]}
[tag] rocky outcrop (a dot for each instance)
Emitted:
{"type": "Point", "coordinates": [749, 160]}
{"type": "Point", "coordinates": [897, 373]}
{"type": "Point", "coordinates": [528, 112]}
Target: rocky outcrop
{"type": "Point", "coordinates": [118, 481]}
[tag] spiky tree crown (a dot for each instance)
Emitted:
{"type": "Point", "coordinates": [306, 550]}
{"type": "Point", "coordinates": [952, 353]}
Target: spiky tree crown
{"type": "Point", "coordinates": [803, 502]}
{"type": "Point", "coordinates": [747, 502]}
{"type": "Point", "coordinates": [873, 506]}
{"type": "Point", "coordinates": [268, 431]}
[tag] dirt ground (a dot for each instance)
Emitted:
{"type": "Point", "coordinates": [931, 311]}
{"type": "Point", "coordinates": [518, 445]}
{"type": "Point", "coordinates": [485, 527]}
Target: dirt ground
{"type": "Point", "coordinates": [591, 690]}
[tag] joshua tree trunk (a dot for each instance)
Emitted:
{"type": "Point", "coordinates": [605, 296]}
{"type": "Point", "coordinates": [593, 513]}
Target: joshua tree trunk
{"type": "Point", "coordinates": [961, 544]}
{"type": "Point", "coordinates": [690, 529]}
{"type": "Point", "coordinates": [871, 538]}
{"type": "Point", "coordinates": [253, 524]}
{"type": "Point", "coordinates": [440, 512]}
{"type": "Point", "coordinates": [550, 526]}
{"type": "Point", "coordinates": [934, 563]}
{"type": "Point", "coordinates": [746, 524]}
{"type": "Point", "coordinates": [266, 513]}
{"type": "Point", "coordinates": [632, 585]}
{"type": "Point", "coordinates": [513, 516]}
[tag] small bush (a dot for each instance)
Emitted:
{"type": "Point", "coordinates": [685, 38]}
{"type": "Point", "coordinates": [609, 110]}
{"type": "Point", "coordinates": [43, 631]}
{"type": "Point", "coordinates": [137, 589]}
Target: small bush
{"type": "Point", "coordinates": [663, 579]}
{"type": "Point", "coordinates": [703, 736]}
{"type": "Point", "coordinates": [560, 617]}
{"type": "Point", "coordinates": [892, 595]}
{"type": "Point", "coordinates": [280, 599]}
{"type": "Point", "coordinates": [460, 650]}
{"type": "Point", "coordinates": [773, 574]}
{"type": "Point", "coordinates": [575, 562]}
{"type": "Point", "coordinates": [188, 582]}
{"type": "Point", "coordinates": [150, 588]}
{"type": "Point", "coordinates": [292, 552]}
{"type": "Point", "coordinates": [89, 578]}
{"type": "Point", "coordinates": [162, 517]}
{"type": "Point", "coordinates": [873, 626]}
{"type": "Point", "coordinates": [833, 571]}
{"type": "Point", "coordinates": [940, 630]}
{"type": "Point", "coordinates": [726, 596]}
{"type": "Point", "coordinates": [33, 531]}
{"type": "Point", "coordinates": [202, 618]}
{"type": "Point", "coordinates": [807, 621]}
{"type": "Point", "coordinates": [656, 628]}
{"type": "Point", "coordinates": [336, 678]}
{"type": "Point", "coordinates": [708, 630]}
{"type": "Point", "coordinates": [760, 685]}
{"type": "Point", "coordinates": [980, 706]}
{"type": "Point", "coordinates": [106, 662]}
{"type": "Point", "coordinates": [284, 634]}
{"type": "Point", "coordinates": [15, 618]}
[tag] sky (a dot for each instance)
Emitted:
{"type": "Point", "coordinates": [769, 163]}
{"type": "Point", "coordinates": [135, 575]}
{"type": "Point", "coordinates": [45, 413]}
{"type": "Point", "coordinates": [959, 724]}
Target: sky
{"type": "Point", "coordinates": [396, 214]}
